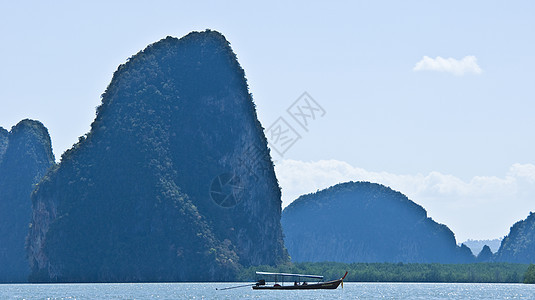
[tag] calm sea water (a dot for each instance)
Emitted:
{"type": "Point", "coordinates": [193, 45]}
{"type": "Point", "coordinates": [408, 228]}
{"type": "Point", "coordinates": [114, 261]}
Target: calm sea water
{"type": "Point", "coordinates": [208, 291]}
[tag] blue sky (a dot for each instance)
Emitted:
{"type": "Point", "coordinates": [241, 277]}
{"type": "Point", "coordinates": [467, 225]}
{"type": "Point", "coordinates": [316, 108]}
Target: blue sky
{"type": "Point", "coordinates": [448, 134]}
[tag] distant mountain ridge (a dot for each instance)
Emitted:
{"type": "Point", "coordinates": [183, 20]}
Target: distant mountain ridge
{"type": "Point", "coordinates": [477, 245]}
{"type": "Point", "coordinates": [366, 222]}
{"type": "Point", "coordinates": [25, 156]}
{"type": "Point", "coordinates": [174, 181]}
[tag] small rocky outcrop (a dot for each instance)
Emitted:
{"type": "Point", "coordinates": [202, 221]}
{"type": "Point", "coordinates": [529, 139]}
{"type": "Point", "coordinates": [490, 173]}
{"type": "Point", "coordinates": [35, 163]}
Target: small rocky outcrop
{"type": "Point", "coordinates": [485, 255]}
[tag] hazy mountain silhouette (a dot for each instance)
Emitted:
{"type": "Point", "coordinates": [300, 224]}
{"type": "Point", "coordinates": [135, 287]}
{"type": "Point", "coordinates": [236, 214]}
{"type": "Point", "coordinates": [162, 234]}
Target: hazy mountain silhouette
{"type": "Point", "coordinates": [477, 245]}
{"type": "Point", "coordinates": [366, 222]}
{"type": "Point", "coordinates": [485, 255]}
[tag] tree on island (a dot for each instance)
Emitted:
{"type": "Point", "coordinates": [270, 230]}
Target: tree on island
{"type": "Point", "coordinates": [529, 276]}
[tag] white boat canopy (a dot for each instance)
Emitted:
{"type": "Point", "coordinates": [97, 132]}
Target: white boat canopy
{"type": "Point", "coordinates": [289, 275]}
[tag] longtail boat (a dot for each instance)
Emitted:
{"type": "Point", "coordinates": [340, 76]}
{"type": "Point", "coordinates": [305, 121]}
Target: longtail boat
{"type": "Point", "coordinates": [287, 281]}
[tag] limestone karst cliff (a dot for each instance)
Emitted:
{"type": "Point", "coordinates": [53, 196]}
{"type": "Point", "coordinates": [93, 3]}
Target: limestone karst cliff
{"type": "Point", "coordinates": [366, 222]}
{"type": "Point", "coordinates": [25, 156]}
{"type": "Point", "coordinates": [174, 181]}
{"type": "Point", "coordinates": [519, 245]}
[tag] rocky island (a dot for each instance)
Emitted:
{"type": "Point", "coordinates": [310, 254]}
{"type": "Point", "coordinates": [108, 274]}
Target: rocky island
{"type": "Point", "coordinates": [366, 222]}
{"type": "Point", "coordinates": [174, 181]}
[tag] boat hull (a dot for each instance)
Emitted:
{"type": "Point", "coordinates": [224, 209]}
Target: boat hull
{"type": "Point", "coordinates": [329, 285]}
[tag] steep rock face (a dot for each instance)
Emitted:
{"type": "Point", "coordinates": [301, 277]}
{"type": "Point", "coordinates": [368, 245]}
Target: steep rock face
{"type": "Point", "coordinates": [25, 156]}
{"type": "Point", "coordinates": [3, 142]}
{"type": "Point", "coordinates": [366, 222]}
{"type": "Point", "coordinates": [173, 182]}
{"type": "Point", "coordinates": [519, 245]}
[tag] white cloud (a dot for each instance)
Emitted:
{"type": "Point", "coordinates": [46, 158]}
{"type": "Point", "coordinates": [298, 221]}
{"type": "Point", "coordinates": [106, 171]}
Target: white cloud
{"type": "Point", "coordinates": [458, 67]}
{"type": "Point", "coordinates": [526, 172]}
{"type": "Point", "coordinates": [483, 207]}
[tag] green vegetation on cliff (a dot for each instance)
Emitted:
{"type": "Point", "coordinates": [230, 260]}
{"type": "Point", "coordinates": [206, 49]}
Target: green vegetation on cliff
{"type": "Point", "coordinates": [25, 156]}
{"type": "Point", "coordinates": [140, 197]}
{"type": "Point", "coordinates": [519, 245]}
{"type": "Point", "coordinates": [366, 222]}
